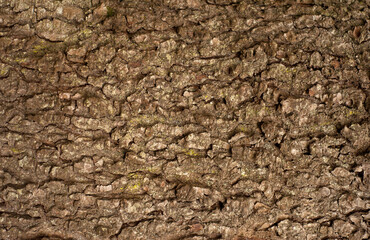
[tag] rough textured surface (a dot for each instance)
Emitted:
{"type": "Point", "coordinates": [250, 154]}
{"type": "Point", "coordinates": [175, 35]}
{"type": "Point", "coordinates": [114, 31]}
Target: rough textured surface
{"type": "Point", "coordinates": [184, 119]}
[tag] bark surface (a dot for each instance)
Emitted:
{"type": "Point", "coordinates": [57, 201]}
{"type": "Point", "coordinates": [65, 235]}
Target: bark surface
{"type": "Point", "coordinates": [184, 119]}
